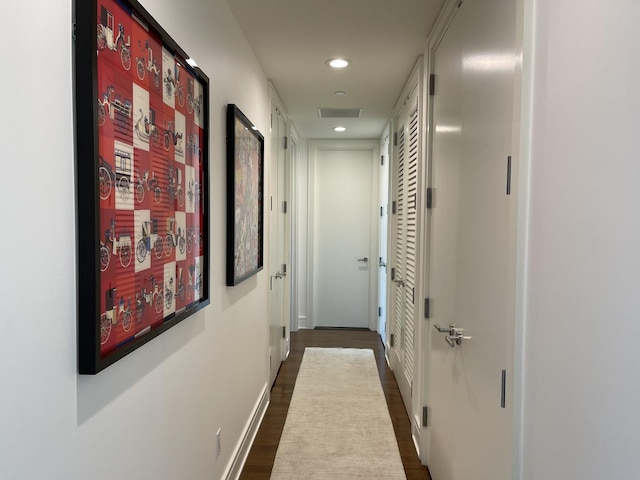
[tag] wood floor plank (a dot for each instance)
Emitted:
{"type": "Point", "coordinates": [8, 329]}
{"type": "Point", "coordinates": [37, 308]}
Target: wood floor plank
{"type": "Point", "coordinates": [263, 451]}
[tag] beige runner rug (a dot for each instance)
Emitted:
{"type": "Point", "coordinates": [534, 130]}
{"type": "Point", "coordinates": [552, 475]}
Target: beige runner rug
{"type": "Point", "coordinates": [338, 425]}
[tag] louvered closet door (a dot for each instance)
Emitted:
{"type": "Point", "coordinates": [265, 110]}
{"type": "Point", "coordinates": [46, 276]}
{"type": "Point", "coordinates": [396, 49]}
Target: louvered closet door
{"type": "Point", "coordinates": [405, 195]}
{"type": "Point", "coordinates": [411, 200]}
{"type": "Point", "coordinates": [397, 274]}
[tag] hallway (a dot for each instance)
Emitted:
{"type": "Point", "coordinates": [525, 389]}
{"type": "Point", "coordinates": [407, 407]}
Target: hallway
{"type": "Point", "coordinates": [260, 460]}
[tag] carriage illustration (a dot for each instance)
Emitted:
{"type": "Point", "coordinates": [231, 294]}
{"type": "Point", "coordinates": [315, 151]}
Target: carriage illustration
{"type": "Point", "coordinates": [120, 177]}
{"type": "Point", "coordinates": [145, 127]}
{"type": "Point", "coordinates": [146, 63]}
{"type": "Point", "coordinates": [116, 313]}
{"type": "Point", "coordinates": [106, 39]}
{"type": "Point", "coordinates": [119, 109]}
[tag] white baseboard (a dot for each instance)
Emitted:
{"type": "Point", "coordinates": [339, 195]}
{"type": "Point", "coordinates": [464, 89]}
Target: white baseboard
{"type": "Point", "coordinates": [251, 429]}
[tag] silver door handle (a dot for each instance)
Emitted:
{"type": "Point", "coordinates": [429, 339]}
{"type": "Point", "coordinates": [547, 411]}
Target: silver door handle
{"type": "Point", "coordinates": [451, 329]}
{"type": "Point", "coordinates": [363, 259]}
{"type": "Point", "coordinates": [454, 340]}
{"type": "Point", "coordinates": [279, 275]}
{"type": "Point", "coordinates": [399, 282]}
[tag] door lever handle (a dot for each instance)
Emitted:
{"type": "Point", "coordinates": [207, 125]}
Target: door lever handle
{"type": "Point", "coordinates": [363, 259]}
{"type": "Point", "coordinates": [451, 329]}
{"type": "Point", "coordinates": [454, 340]}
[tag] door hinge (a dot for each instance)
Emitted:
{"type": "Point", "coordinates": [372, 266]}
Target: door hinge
{"type": "Point", "coordinates": [284, 207]}
{"type": "Point", "coordinates": [425, 416]}
{"type": "Point", "coordinates": [392, 339]}
{"type": "Point", "coordinates": [286, 143]}
{"type": "Point", "coordinates": [413, 296]}
{"type": "Point", "coordinates": [393, 273]}
{"type": "Point", "coordinates": [271, 203]}
{"type": "Point", "coordinates": [393, 207]}
{"type": "Point", "coordinates": [427, 305]}
{"type": "Point", "coordinates": [381, 212]}
{"type": "Point", "coordinates": [271, 121]}
{"type": "Point", "coordinates": [381, 159]}
{"type": "Point", "coordinates": [379, 311]}
{"type": "Point", "coordinates": [432, 84]}
{"type": "Point", "coordinates": [503, 390]}
{"type": "Point", "coordinates": [284, 268]}
{"type": "Point", "coordinates": [395, 138]}
{"type": "Point", "coordinates": [509, 175]}
{"type": "Point", "coordinates": [429, 197]}
{"type": "Point", "coordinates": [284, 332]}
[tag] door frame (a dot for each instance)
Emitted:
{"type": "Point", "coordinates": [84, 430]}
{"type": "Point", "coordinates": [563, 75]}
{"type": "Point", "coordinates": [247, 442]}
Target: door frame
{"type": "Point", "coordinates": [414, 85]}
{"type": "Point", "coordinates": [316, 146]}
{"type": "Point", "coordinates": [384, 168]}
{"type": "Point", "coordinates": [293, 158]}
{"type": "Point", "coordinates": [277, 105]}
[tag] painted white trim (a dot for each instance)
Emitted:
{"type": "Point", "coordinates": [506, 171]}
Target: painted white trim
{"type": "Point", "coordinates": [303, 321]}
{"type": "Point", "coordinates": [413, 89]}
{"type": "Point", "coordinates": [525, 42]}
{"type": "Point", "coordinates": [234, 469]}
{"type": "Point", "coordinates": [277, 101]}
{"type": "Point", "coordinates": [293, 158]}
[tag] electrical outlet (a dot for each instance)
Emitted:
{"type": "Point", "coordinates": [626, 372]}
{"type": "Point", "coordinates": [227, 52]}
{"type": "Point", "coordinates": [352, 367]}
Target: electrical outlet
{"type": "Point", "coordinates": [218, 442]}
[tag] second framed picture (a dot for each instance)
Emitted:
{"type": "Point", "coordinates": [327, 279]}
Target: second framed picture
{"type": "Point", "coordinates": [245, 191]}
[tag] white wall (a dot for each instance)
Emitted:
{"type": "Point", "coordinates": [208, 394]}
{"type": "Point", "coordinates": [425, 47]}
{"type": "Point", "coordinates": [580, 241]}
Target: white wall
{"type": "Point", "coordinates": [153, 414]}
{"type": "Point", "coordinates": [582, 347]}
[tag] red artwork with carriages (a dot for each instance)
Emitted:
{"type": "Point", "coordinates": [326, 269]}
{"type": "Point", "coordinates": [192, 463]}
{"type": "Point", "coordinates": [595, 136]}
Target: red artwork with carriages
{"type": "Point", "coordinates": [150, 175]}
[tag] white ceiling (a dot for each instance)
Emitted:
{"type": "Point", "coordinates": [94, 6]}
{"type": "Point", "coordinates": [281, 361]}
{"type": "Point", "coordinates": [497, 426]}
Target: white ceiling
{"type": "Point", "coordinates": [293, 38]}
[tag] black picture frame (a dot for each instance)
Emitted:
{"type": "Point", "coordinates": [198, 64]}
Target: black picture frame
{"type": "Point", "coordinates": [142, 181]}
{"type": "Point", "coordinates": [245, 197]}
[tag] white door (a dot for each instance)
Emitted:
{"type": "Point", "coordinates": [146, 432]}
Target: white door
{"type": "Point", "coordinates": [278, 283]}
{"type": "Point", "coordinates": [404, 216]}
{"type": "Point", "coordinates": [343, 204]}
{"type": "Point", "coordinates": [471, 272]}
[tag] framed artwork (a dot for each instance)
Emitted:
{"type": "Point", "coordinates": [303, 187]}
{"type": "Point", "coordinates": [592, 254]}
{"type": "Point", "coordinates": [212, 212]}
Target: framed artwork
{"type": "Point", "coordinates": [142, 181]}
{"type": "Point", "coordinates": [245, 182]}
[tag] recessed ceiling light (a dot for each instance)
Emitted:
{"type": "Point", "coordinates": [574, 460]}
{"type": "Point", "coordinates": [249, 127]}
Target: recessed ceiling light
{"type": "Point", "coordinates": [339, 129]}
{"type": "Point", "coordinates": [340, 92]}
{"type": "Point", "coordinates": [338, 62]}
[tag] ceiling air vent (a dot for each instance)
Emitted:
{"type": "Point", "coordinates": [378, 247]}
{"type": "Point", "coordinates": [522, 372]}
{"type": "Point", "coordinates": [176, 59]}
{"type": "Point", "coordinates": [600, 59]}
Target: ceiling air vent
{"type": "Point", "coordinates": [339, 112]}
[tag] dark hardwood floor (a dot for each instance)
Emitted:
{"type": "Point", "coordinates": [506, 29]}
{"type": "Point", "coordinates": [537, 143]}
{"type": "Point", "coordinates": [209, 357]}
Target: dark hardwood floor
{"type": "Point", "coordinates": [263, 452]}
